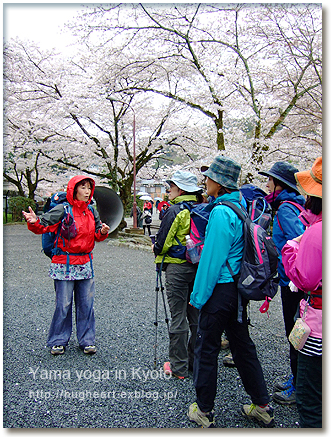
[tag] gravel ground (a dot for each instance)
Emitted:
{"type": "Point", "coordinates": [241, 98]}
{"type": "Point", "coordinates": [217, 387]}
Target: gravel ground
{"type": "Point", "coordinates": [118, 387]}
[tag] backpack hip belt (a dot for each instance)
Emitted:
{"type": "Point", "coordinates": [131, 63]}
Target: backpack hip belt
{"type": "Point", "coordinates": [59, 251]}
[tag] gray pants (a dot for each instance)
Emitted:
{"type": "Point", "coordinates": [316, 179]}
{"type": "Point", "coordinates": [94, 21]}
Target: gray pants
{"type": "Point", "coordinates": [184, 317]}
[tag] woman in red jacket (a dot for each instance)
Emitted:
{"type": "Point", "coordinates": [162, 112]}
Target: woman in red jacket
{"type": "Point", "coordinates": [71, 266]}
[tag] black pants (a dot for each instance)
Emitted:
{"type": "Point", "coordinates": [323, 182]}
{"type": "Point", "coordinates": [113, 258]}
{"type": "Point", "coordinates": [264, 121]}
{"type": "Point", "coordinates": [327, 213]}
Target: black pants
{"type": "Point", "coordinates": [148, 228]}
{"type": "Point", "coordinates": [218, 314]}
{"type": "Point", "coordinates": [309, 391]}
{"type": "Point", "coordinates": [290, 302]}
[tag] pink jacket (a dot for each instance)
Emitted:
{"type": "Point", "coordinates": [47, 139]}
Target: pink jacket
{"type": "Point", "coordinates": [303, 265]}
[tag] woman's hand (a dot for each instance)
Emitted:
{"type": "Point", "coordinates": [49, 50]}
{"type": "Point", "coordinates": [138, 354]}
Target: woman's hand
{"type": "Point", "coordinates": [104, 229]}
{"type": "Point", "coordinates": [30, 216]}
{"type": "Point", "coordinates": [297, 239]}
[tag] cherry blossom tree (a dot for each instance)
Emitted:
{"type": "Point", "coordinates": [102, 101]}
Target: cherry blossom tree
{"type": "Point", "coordinates": [260, 63]}
{"type": "Point", "coordinates": [243, 80]}
{"type": "Point", "coordinates": [62, 112]}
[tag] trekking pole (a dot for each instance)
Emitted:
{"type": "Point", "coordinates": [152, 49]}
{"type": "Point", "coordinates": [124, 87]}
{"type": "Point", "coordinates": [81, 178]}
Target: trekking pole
{"type": "Point", "coordinates": [158, 269]}
{"type": "Point", "coordinates": [156, 305]}
{"type": "Point", "coordinates": [164, 302]}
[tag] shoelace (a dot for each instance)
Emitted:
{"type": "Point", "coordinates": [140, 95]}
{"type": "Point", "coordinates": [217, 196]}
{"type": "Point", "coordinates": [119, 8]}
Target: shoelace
{"type": "Point", "coordinates": [289, 391]}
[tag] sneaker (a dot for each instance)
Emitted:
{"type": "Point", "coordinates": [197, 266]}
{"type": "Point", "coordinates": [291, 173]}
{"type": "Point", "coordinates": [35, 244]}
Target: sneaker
{"type": "Point", "coordinates": [281, 386]}
{"type": "Point", "coordinates": [285, 397]}
{"type": "Point", "coordinates": [167, 370]}
{"type": "Point", "coordinates": [57, 350]}
{"type": "Point", "coordinates": [264, 415]}
{"type": "Point", "coordinates": [90, 350]}
{"type": "Point", "coordinates": [225, 343]}
{"type": "Point", "coordinates": [228, 361]}
{"type": "Point", "coordinates": [205, 420]}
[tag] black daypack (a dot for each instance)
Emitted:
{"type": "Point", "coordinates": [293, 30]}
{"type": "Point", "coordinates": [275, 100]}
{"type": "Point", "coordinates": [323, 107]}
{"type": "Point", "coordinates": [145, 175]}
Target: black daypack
{"type": "Point", "coordinates": [258, 275]}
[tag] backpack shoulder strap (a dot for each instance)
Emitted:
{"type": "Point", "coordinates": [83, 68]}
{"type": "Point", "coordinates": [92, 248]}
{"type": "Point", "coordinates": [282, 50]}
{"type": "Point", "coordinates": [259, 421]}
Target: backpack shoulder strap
{"type": "Point", "coordinates": [297, 205]}
{"type": "Point", "coordinates": [241, 212]}
{"type": "Point", "coordinates": [186, 205]}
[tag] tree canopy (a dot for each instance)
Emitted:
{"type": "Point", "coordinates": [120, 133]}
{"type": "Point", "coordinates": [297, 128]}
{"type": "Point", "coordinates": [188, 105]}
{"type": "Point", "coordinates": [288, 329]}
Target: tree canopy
{"type": "Point", "coordinates": [199, 80]}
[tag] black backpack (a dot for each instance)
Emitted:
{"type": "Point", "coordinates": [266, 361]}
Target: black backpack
{"type": "Point", "coordinates": [258, 276]}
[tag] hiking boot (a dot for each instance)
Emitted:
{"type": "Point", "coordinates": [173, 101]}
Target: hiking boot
{"type": "Point", "coordinates": [264, 415]}
{"type": "Point", "coordinates": [90, 350]}
{"type": "Point", "coordinates": [57, 350]}
{"type": "Point", "coordinates": [228, 361]}
{"type": "Point", "coordinates": [167, 370]}
{"type": "Point", "coordinates": [225, 343]}
{"type": "Point", "coordinates": [285, 397]}
{"type": "Point", "coordinates": [205, 420]}
{"type": "Point", "coordinates": [281, 386]}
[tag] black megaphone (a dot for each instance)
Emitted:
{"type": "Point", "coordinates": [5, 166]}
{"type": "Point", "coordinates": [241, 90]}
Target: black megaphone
{"type": "Point", "coordinates": [109, 206]}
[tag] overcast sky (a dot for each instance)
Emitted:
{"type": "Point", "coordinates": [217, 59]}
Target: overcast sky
{"type": "Point", "coordinates": [38, 22]}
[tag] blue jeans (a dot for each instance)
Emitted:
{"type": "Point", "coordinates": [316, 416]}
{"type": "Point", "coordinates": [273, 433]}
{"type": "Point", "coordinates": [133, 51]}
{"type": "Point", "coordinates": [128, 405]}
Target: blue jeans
{"type": "Point", "coordinates": [216, 316]}
{"type": "Point", "coordinates": [61, 326]}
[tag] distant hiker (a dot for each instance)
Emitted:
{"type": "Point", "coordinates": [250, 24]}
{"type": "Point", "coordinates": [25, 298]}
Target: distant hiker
{"type": "Point", "coordinates": [147, 220]}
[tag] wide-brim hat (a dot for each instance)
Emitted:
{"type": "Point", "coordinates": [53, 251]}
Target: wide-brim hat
{"type": "Point", "coordinates": [284, 172]}
{"type": "Point", "coordinates": [185, 180]}
{"type": "Point", "coordinates": [310, 181]}
{"type": "Point", "coordinates": [224, 171]}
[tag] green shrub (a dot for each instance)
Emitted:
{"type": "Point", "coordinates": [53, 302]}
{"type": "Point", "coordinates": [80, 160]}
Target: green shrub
{"type": "Point", "coordinates": [9, 217]}
{"type": "Point", "coordinates": [19, 204]}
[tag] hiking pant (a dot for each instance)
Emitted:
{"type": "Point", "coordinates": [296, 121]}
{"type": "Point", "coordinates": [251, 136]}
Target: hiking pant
{"type": "Point", "coordinates": [290, 303]}
{"type": "Point", "coordinates": [219, 314]}
{"type": "Point", "coordinates": [184, 317]}
{"type": "Point", "coordinates": [61, 327]}
{"type": "Point", "coordinates": [309, 391]}
{"type": "Point", "coordinates": [148, 229]}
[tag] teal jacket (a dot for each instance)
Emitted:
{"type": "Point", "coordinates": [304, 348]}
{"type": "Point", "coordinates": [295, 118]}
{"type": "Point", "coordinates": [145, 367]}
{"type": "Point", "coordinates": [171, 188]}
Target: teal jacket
{"type": "Point", "coordinates": [223, 241]}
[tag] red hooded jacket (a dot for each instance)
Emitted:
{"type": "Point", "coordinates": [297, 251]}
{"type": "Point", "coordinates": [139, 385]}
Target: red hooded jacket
{"type": "Point", "coordinates": [88, 226]}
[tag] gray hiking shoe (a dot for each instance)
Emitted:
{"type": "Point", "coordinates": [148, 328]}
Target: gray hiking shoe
{"type": "Point", "coordinates": [90, 350]}
{"type": "Point", "coordinates": [57, 350]}
{"type": "Point", "coordinates": [264, 415]}
{"type": "Point", "coordinates": [224, 343]}
{"type": "Point", "coordinates": [281, 386]}
{"type": "Point", "coordinates": [205, 420]}
{"type": "Point", "coordinates": [228, 361]}
{"type": "Point", "coordinates": [285, 397]}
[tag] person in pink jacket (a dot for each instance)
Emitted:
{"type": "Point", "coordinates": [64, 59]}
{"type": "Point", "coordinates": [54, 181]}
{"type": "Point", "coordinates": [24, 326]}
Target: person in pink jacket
{"type": "Point", "coordinates": [302, 259]}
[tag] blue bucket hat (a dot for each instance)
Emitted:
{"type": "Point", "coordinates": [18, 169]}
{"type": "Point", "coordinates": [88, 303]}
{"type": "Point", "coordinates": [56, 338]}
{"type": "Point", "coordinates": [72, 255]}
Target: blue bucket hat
{"type": "Point", "coordinates": [224, 171]}
{"type": "Point", "coordinates": [284, 172]}
{"type": "Point", "coordinates": [185, 180]}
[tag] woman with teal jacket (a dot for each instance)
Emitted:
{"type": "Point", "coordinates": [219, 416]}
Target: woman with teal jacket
{"type": "Point", "coordinates": [216, 296]}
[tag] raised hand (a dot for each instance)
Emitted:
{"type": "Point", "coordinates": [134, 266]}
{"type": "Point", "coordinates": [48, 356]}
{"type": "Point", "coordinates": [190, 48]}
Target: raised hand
{"type": "Point", "coordinates": [30, 216]}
